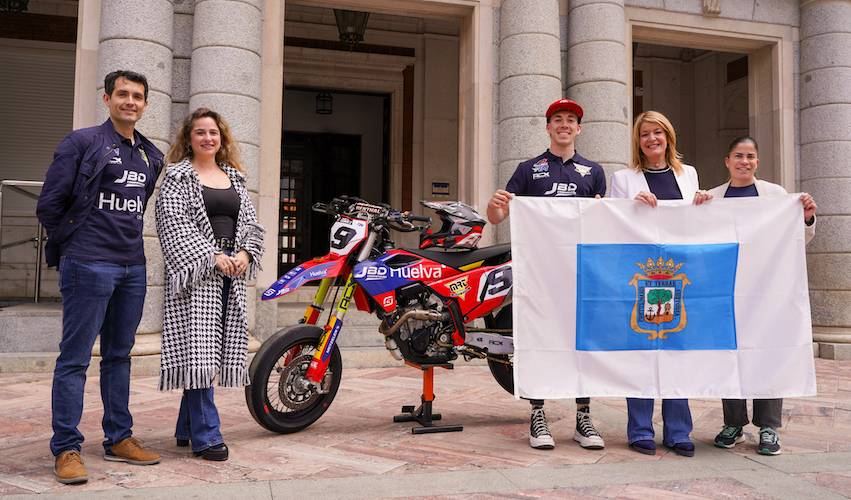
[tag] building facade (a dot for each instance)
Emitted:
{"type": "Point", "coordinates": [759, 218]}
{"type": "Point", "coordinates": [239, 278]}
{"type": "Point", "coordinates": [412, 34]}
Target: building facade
{"type": "Point", "coordinates": [442, 99]}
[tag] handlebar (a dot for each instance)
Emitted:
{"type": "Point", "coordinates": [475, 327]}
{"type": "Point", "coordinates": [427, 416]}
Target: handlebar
{"type": "Point", "coordinates": [350, 205]}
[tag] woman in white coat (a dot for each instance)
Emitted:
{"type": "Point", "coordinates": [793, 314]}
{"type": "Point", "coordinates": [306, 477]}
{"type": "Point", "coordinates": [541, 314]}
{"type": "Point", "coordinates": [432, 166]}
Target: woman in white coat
{"type": "Point", "coordinates": [657, 174]}
{"type": "Point", "coordinates": [742, 161]}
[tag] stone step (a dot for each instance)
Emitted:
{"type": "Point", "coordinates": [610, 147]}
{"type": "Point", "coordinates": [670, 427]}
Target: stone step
{"type": "Point", "coordinates": [31, 327]}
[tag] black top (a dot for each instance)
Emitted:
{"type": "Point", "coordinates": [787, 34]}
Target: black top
{"type": "Point", "coordinates": [548, 175]}
{"type": "Point", "coordinates": [663, 184]}
{"type": "Point", "coordinates": [222, 210]}
{"type": "Point", "coordinates": [741, 192]}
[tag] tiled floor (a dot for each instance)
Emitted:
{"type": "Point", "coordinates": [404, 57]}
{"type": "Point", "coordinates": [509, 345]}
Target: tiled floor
{"type": "Point", "coordinates": [357, 437]}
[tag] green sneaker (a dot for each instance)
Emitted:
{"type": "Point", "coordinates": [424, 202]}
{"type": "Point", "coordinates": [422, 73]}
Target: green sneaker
{"type": "Point", "coordinates": [769, 442]}
{"type": "Point", "coordinates": [729, 437]}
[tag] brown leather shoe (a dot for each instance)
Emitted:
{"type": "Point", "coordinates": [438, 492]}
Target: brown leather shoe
{"type": "Point", "coordinates": [131, 451]}
{"type": "Point", "coordinates": [69, 468]}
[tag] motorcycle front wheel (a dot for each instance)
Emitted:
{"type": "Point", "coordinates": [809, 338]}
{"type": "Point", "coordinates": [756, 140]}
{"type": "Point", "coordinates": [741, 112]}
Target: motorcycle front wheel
{"type": "Point", "coordinates": [502, 366]}
{"type": "Point", "coordinates": [279, 397]}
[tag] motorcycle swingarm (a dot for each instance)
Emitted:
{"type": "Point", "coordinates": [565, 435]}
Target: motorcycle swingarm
{"type": "Point", "coordinates": [493, 343]}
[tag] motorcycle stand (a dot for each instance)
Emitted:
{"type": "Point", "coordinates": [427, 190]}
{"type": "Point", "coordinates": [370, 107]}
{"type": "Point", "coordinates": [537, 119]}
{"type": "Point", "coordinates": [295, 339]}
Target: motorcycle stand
{"type": "Point", "coordinates": [423, 414]}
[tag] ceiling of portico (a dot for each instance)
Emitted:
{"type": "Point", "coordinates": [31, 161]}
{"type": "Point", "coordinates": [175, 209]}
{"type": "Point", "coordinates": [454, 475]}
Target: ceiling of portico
{"type": "Point", "coordinates": [378, 21]}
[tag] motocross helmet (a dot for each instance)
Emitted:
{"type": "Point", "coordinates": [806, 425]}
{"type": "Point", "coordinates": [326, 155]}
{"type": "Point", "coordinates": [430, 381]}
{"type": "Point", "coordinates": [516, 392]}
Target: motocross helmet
{"type": "Point", "coordinates": [461, 226]}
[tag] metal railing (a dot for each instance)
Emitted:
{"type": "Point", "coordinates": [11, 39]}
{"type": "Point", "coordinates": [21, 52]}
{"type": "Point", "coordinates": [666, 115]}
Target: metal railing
{"type": "Point", "coordinates": [19, 188]}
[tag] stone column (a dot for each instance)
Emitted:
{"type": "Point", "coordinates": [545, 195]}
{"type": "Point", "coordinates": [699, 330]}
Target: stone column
{"type": "Point", "coordinates": [138, 36]}
{"type": "Point", "coordinates": [597, 79]}
{"type": "Point", "coordinates": [529, 80]}
{"type": "Point", "coordinates": [226, 75]}
{"type": "Point", "coordinates": [825, 108]}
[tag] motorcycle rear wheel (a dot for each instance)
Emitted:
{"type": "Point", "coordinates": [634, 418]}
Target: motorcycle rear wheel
{"type": "Point", "coordinates": [277, 398]}
{"type": "Point", "coordinates": [502, 366]}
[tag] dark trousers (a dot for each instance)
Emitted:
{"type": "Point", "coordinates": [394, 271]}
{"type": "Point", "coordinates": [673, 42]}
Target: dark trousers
{"type": "Point", "coordinates": [766, 412]}
{"type": "Point", "coordinates": [579, 401]}
{"type": "Point", "coordinates": [198, 418]}
{"type": "Point", "coordinates": [97, 298]}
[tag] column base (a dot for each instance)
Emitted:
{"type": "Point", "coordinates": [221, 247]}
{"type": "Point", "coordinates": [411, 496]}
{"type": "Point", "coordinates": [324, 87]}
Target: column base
{"type": "Point", "coordinates": [834, 342]}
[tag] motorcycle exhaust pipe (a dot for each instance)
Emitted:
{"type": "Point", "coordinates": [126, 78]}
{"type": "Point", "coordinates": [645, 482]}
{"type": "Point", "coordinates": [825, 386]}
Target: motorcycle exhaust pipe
{"type": "Point", "coordinates": [420, 314]}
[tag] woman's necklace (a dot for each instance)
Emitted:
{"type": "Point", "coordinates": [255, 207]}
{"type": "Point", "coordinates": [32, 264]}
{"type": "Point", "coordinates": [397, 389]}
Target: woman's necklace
{"type": "Point", "coordinates": [659, 170]}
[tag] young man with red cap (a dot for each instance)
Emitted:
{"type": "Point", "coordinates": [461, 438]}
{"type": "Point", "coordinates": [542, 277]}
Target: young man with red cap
{"type": "Point", "coordinates": [559, 171]}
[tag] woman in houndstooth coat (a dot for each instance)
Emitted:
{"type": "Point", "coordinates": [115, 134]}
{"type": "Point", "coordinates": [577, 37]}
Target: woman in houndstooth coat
{"type": "Point", "coordinates": [212, 244]}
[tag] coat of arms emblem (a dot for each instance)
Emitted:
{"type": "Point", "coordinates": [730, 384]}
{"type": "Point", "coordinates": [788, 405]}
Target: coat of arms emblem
{"type": "Point", "coordinates": [659, 308]}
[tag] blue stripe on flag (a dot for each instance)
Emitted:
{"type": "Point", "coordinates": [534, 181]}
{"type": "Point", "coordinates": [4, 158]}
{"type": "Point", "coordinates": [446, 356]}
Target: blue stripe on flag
{"type": "Point", "coordinates": [649, 297]}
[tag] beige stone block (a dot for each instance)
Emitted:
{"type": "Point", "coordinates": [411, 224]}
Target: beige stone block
{"type": "Point", "coordinates": [830, 308]}
{"type": "Point", "coordinates": [650, 4]}
{"type": "Point", "coordinates": [529, 54]}
{"type": "Point", "coordinates": [595, 21]}
{"type": "Point", "coordinates": [266, 322]}
{"type": "Point", "coordinates": [251, 161]}
{"type": "Point", "coordinates": [832, 196]}
{"type": "Point", "coordinates": [831, 350]}
{"type": "Point", "coordinates": [826, 86]}
{"type": "Point", "coordinates": [829, 271]}
{"type": "Point", "coordinates": [604, 142]}
{"type": "Point", "coordinates": [522, 138]}
{"type": "Point", "coordinates": [528, 16]}
{"type": "Point", "coordinates": [182, 45]}
{"type": "Point", "coordinates": [572, 4]}
{"type": "Point", "coordinates": [833, 234]}
{"type": "Point", "coordinates": [179, 112]}
{"type": "Point", "coordinates": [156, 122]}
{"type": "Point", "coordinates": [825, 123]}
{"type": "Point", "coordinates": [149, 58]}
{"type": "Point", "coordinates": [132, 19]}
{"type": "Point", "coordinates": [506, 170]}
{"type": "Point", "coordinates": [152, 315]}
{"type": "Point", "coordinates": [226, 23]}
{"type": "Point", "coordinates": [181, 76]}
{"type": "Point", "coordinates": [601, 101]}
{"type": "Point", "coordinates": [251, 307]}
{"type": "Point", "coordinates": [825, 160]}
{"type": "Point", "coordinates": [225, 70]}
{"type": "Point", "coordinates": [775, 11]}
{"type": "Point", "coordinates": [825, 51]}
{"type": "Point", "coordinates": [596, 61]}
{"type": "Point", "coordinates": [825, 17]}
{"type": "Point", "coordinates": [242, 113]}
{"type": "Point", "coordinates": [527, 95]}
{"type": "Point", "coordinates": [155, 267]}
{"type": "Point", "coordinates": [183, 6]}
{"type": "Point", "coordinates": [690, 6]}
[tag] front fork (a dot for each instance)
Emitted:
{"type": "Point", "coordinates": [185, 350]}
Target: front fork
{"type": "Point", "coordinates": [319, 363]}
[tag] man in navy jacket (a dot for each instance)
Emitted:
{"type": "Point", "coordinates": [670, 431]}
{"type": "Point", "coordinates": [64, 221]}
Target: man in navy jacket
{"type": "Point", "coordinates": [558, 171]}
{"type": "Point", "coordinates": [92, 206]}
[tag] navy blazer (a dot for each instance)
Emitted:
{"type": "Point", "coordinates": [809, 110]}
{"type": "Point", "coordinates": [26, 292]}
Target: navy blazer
{"type": "Point", "coordinates": [73, 180]}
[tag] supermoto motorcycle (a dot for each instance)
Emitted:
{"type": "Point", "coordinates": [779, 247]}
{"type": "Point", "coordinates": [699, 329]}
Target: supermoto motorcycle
{"type": "Point", "coordinates": [427, 300]}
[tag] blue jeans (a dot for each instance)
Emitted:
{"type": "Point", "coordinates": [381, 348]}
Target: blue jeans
{"type": "Point", "coordinates": [676, 418]}
{"type": "Point", "coordinates": [198, 419]}
{"type": "Point", "coordinates": [97, 298]}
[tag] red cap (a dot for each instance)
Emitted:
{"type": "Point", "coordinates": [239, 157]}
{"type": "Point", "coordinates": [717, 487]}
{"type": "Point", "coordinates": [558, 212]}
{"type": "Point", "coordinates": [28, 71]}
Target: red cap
{"type": "Point", "coordinates": [565, 105]}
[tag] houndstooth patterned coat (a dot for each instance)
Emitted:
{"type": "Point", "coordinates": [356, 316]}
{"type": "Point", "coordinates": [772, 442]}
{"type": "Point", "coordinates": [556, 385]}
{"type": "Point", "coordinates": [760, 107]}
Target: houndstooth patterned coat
{"type": "Point", "coordinates": [197, 345]}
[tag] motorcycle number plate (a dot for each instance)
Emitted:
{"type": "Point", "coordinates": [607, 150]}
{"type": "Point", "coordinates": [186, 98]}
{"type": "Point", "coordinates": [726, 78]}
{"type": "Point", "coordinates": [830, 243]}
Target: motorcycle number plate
{"type": "Point", "coordinates": [346, 233]}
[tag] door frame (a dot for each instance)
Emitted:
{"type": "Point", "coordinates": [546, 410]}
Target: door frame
{"type": "Point", "coordinates": [771, 79]}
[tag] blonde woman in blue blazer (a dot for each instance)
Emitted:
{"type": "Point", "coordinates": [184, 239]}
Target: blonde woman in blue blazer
{"type": "Point", "coordinates": [657, 174]}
